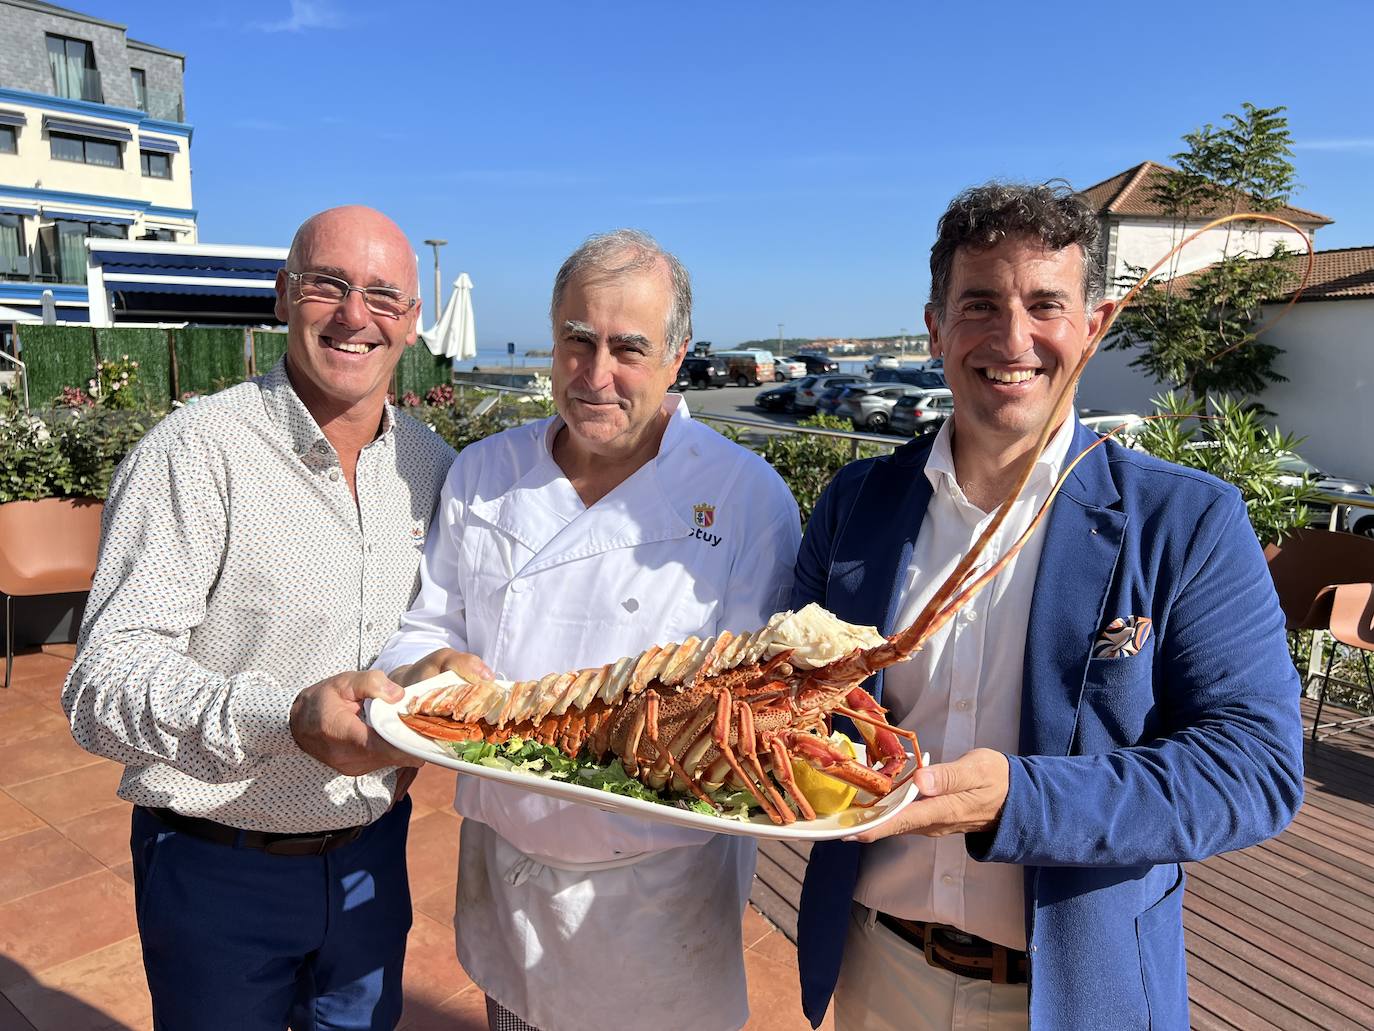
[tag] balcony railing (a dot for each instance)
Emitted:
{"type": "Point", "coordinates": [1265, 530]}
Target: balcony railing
{"type": "Point", "coordinates": [79, 84]}
{"type": "Point", "coordinates": [164, 104]}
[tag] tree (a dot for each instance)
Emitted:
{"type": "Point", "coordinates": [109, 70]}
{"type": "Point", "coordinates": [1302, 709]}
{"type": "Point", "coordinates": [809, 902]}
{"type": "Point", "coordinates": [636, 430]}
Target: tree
{"type": "Point", "coordinates": [1198, 333]}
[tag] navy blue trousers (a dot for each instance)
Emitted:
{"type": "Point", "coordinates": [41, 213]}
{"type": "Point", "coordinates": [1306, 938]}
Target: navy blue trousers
{"type": "Point", "coordinates": [241, 940]}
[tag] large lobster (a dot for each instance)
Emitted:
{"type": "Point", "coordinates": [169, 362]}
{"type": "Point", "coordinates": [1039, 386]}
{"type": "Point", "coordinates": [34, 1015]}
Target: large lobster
{"type": "Point", "coordinates": [736, 708]}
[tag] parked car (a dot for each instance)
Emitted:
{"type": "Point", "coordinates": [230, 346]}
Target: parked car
{"type": "Point", "coordinates": [922, 412]}
{"type": "Point", "coordinates": [1101, 420]}
{"type": "Point", "coordinates": [776, 399]}
{"type": "Point", "coordinates": [934, 365]}
{"type": "Point", "coordinates": [704, 372]}
{"type": "Point", "coordinates": [809, 390]}
{"type": "Point", "coordinates": [788, 368]}
{"type": "Point", "coordinates": [915, 377]}
{"type": "Point", "coordinates": [684, 378]}
{"type": "Point", "coordinates": [882, 361]}
{"type": "Point", "coordinates": [829, 400]}
{"type": "Point", "coordinates": [816, 364]}
{"type": "Point", "coordinates": [869, 405]}
{"type": "Point", "coordinates": [1357, 520]}
{"type": "Point", "coordinates": [748, 368]}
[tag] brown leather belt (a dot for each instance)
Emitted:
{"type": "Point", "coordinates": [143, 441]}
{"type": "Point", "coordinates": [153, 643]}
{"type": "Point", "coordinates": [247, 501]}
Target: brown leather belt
{"type": "Point", "coordinates": [316, 844]}
{"type": "Point", "coordinates": [965, 954]}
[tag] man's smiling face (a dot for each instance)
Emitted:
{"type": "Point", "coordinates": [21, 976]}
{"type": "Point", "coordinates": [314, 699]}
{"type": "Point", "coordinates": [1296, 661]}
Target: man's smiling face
{"type": "Point", "coordinates": [342, 354]}
{"type": "Point", "coordinates": [1014, 326]}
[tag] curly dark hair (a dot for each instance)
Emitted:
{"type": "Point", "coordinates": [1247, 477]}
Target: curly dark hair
{"type": "Point", "coordinates": [984, 216]}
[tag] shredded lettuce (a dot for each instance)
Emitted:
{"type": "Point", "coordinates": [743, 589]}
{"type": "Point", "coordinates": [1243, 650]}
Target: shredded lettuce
{"type": "Point", "coordinates": [549, 763]}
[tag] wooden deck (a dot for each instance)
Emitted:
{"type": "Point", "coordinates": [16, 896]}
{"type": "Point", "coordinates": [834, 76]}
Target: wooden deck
{"type": "Point", "coordinates": [1280, 935]}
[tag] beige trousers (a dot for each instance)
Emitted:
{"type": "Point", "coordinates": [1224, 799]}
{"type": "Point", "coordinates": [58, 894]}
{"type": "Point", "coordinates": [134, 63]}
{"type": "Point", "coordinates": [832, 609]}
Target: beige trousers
{"type": "Point", "coordinates": [887, 985]}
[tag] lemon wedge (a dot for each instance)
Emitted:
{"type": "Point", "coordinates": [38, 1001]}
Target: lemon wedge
{"type": "Point", "coordinates": [828, 795]}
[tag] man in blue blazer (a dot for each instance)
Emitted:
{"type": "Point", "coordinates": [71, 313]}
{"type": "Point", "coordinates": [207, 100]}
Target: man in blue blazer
{"type": "Point", "coordinates": [1117, 701]}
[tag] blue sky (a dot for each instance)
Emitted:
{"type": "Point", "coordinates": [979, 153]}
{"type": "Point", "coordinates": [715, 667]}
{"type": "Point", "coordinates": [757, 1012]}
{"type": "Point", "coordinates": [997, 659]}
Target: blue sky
{"type": "Point", "coordinates": [795, 155]}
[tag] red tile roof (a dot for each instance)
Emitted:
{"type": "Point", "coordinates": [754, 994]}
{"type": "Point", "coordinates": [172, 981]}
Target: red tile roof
{"type": "Point", "coordinates": [1132, 194]}
{"type": "Point", "coordinates": [1336, 274]}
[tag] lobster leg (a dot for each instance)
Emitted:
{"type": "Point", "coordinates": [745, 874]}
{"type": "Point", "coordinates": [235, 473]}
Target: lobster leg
{"type": "Point", "coordinates": [834, 762]}
{"type": "Point", "coordinates": [651, 730]}
{"type": "Point", "coordinates": [748, 743]}
{"type": "Point", "coordinates": [721, 735]}
{"type": "Point", "coordinates": [782, 769]}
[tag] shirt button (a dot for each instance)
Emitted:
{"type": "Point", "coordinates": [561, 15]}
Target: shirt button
{"type": "Point", "coordinates": [517, 586]}
{"type": "Point", "coordinates": [946, 879]}
{"type": "Point", "coordinates": [334, 474]}
{"type": "Point", "coordinates": [963, 705]}
{"type": "Point", "coordinates": [367, 625]}
{"type": "Point", "coordinates": [970, 615]}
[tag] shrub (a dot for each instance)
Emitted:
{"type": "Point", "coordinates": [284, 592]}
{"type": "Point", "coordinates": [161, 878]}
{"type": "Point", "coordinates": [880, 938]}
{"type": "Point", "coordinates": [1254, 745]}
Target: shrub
{"type": "Point", "coordinates": [809, 462]}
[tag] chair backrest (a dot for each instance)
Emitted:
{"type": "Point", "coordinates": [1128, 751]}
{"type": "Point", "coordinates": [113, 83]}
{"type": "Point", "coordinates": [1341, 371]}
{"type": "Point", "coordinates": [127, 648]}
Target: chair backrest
{"type": "Point", "coordinates": [1310, 560]}
{"type": "Point", "coordinates": [48, 547]}
{"type": "Point", "coordinates": [1352, 615]}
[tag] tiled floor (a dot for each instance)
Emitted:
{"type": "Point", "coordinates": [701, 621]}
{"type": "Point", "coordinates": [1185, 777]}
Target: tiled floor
{"type": "Point", "coordinates": [69, 953]}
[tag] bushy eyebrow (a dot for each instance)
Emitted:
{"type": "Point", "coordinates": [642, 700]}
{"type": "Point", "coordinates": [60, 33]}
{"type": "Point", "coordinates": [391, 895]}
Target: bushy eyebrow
{"type": "Point", "coordinates": [581, 331]}
{"type": "Point", "coordinates": [638, 339]}
{"type": "Point", "coordinates": [984, 294]}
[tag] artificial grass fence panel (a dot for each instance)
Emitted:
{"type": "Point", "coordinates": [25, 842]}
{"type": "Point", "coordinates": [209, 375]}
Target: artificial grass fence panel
{"type": "Point", "coordinates": [418, 370]}
{"type": "Point", "coordinates": [267, 347]}
{"type": "Point", "coordinates": [210, 359]}
{"type": "Point", "coordinates": [56, 357]}
{"type": "Point", "coordinates": [148, 347]}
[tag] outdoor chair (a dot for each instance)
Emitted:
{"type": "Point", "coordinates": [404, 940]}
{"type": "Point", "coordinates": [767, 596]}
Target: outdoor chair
{"type": "Point", "coordinates": [46, 547]}
{"type": "Point", "coordinates": [1351, 623]}
{"type": "Point", "coordinates": [1308, 570]}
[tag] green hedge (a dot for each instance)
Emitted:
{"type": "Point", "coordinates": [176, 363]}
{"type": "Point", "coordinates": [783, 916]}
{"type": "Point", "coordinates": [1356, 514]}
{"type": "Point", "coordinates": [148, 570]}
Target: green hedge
{"type": "Point", "coordinates": [268, 347]}
{"type": "Point", "coordinates": [148, 347]}
{"type": "Point", "coordinates": [56, 357]}
{"type": "Point", "coordinates": [418, 370]}
{"type": "Point", "coordinates": [210, 359]}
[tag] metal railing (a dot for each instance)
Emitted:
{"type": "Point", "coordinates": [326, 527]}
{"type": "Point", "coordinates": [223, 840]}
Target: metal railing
{"type": "Point", "coordinates": [854, 438]}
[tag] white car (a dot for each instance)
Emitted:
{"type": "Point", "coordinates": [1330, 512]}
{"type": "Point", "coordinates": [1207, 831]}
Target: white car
{"type": "Point", "coordinates": [882, 361]}
{"type": "Point", "coordinates": [788, 368]}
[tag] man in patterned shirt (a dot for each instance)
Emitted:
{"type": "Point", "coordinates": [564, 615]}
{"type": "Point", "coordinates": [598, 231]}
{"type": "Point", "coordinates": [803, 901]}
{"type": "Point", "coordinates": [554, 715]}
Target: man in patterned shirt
{"type": "Point", "coordinates": [257, 543]}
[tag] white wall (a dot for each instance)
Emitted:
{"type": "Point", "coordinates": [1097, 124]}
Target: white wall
{"type": "Point", "coordinates": [1329, 397]}
{"type": "Point", "coordinates": [1143, 243]}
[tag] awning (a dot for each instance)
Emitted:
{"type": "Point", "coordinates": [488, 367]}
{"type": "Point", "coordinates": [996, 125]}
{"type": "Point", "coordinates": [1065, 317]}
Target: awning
{"type": "Point", "coordinates": [10, 208]}
{"type": "Point", "coordinates": [95, 130]}
{"type": "Point", "coordinates": [266, 289]}
{"type": "Point", "coordinates": [158, 146]}
{"type": "Point", "coordinates": [8, 117]}
{"type": "Point", "coordinates": [84, 216]}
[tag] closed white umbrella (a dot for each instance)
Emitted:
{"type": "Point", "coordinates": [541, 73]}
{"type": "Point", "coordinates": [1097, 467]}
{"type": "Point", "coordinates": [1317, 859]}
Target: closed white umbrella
{"type": "Point", "coordinates": [455, 334]}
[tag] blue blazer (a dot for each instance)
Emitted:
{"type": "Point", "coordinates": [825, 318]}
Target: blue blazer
{"type": "Point", "coordinates": [1128, 766]}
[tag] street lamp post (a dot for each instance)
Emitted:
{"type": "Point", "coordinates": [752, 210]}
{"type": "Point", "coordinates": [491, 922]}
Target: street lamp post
{"type": "Point", "coordinates": [436, 244]}
{"type": "Point", "coordinates": [779, 339]}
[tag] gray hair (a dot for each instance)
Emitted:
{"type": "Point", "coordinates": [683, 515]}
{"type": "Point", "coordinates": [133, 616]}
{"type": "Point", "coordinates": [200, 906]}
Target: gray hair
{"type": "Point", "coordinates": [619, 253]}
{"type": "Point", "coordinates": [983, 216]}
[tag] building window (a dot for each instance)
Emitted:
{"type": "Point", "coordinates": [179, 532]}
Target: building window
{"type": "Point", "coordinates": [155, 166]}
{"type": "Point", "coordinates": [9, 139]}
{"type": "Point", "coordinates": [140, 78]}
{"type": "Point", "coordinates": [85, 150]}
{"type": "Point", "coordinates": [73, 69]}
{"type": "Point", "coordinates": [164, 235]}
{"type": "Point", "coordinates": [13, 256]}
{"type": "Point", "coordinates": [62, 247]}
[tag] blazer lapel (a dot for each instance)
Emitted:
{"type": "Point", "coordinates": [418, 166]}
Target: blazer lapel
{"type": "Point", "coordinates": [1083, 536]}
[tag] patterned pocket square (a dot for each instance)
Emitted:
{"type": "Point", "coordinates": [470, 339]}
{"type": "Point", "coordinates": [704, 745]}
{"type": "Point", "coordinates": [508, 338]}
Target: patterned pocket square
{"type": "Point", "coordinates": [1122, 637]}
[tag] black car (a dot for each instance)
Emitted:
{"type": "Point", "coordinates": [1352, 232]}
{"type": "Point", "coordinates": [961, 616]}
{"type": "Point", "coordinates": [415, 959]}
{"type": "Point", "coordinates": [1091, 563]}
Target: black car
{"type": "Point", "coordinates": [925, 379]}
{"type": "Point", "coordinates": [704, 372]}
{"type": "Point", "coordinates": [816, 365]}
{"type": "Point", "coordinates": [776, 399]}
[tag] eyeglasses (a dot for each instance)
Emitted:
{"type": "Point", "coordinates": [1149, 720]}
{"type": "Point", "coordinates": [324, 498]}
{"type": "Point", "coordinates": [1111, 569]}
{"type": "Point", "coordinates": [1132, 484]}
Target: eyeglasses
{"type": "Point", "coordinates": [380, 300]}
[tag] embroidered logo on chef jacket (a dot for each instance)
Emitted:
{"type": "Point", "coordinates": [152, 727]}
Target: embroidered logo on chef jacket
{"type": "Point", "coordinates": [704, 516]}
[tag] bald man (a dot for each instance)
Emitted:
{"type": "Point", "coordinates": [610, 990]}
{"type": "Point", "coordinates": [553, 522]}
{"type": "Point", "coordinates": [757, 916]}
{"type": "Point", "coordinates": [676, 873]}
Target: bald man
{"type": "Point", "coordinates": [259, 548]}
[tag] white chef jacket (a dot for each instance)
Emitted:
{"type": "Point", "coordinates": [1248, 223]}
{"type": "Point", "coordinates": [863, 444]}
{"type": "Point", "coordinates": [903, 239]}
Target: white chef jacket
{"type": "Point", "coordinates": [567, 932]}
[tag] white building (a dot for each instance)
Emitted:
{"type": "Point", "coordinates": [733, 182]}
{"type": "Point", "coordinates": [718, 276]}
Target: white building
{"type": "Point", "coordinates": [1327, 339]}
{"type": "Point", "coordinates": [1137, 231]}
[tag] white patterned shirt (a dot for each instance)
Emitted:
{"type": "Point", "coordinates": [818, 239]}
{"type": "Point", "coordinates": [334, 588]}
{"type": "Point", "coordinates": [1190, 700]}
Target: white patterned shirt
{"type": "Point", "coordinates": [235, 570]}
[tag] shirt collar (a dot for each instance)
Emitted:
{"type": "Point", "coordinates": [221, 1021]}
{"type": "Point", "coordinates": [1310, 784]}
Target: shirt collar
{"type": "Point", "coordinates": [940, 464]}
{"type": "Point", "coordinates": [288, 413]}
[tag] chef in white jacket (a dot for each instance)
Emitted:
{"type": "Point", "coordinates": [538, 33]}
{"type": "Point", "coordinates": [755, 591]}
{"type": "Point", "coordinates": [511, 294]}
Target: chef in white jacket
{"type": "Point", "coordinates": [618, 524]}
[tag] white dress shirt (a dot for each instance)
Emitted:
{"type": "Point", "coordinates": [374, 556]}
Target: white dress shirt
{"type": "Point", "coordinates": [962, 691]}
